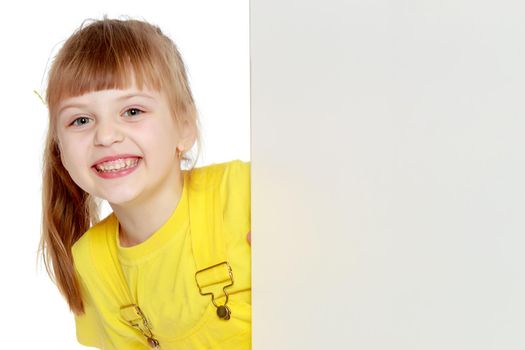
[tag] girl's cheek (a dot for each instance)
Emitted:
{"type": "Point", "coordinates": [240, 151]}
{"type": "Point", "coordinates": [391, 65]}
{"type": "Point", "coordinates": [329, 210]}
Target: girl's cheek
{"type": "Point", "coordinates": [74, 151]}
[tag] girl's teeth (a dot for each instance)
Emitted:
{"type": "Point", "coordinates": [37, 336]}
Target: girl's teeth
{"type": "Point", "coordinates": [117, 165]}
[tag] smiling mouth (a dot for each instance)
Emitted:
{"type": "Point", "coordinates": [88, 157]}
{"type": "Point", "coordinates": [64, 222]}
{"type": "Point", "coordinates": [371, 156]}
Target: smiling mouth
{"type": "Point", "coordinates": [115, 166]}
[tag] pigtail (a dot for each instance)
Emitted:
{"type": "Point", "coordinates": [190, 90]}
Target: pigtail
{"type": "Point", "coordinates": [67, 212]}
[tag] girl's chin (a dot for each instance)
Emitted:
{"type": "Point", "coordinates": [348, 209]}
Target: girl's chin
{"type": "Point", "coordinates": [120, 199]}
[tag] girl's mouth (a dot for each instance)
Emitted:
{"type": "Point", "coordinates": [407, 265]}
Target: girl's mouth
{"type": "Point", "coordinates": [116, 168]}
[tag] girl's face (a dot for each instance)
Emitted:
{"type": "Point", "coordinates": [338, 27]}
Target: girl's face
{"type": "Point", "coordinates": [135, 129]}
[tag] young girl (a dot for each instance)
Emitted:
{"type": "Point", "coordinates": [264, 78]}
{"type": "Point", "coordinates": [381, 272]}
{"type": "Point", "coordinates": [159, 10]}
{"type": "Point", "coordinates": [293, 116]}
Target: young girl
{"type": "Point", "coordinates": [169, 268]}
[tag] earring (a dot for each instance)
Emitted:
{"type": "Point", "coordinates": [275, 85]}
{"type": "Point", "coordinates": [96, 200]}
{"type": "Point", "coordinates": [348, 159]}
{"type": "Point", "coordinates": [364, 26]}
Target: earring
{"type": "Point", "coordinates": [179, 153]}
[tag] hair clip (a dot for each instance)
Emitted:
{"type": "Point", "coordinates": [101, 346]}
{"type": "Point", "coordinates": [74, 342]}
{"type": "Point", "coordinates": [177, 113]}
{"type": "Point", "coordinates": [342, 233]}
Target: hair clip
{"type": "Point", "coordinates": [40, 97]}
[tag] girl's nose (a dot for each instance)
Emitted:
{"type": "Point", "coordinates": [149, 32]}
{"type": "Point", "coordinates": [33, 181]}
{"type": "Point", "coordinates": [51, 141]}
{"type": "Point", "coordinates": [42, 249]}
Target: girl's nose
{"type": "Point", "coordinates": [107, 133]}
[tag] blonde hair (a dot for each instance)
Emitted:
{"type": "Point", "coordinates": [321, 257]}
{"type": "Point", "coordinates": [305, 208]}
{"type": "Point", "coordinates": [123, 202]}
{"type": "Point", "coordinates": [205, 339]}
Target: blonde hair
{"type": "Point", "coordinates": [104, 54]}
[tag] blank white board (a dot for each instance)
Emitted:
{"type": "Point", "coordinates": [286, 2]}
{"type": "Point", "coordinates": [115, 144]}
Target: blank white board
{"type": "Point", "coordinates": [388, 166]}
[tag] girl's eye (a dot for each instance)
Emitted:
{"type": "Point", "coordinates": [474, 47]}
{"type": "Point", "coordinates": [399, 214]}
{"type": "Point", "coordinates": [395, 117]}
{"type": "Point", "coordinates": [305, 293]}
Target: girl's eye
{"type": "Point", "coordinates": [133, 112]}
{"type": "Point", "coordinates": [80, 121]}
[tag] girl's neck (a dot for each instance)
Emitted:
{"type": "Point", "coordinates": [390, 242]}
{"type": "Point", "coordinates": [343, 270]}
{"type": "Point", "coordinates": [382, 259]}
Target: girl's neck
{"type": "Point", "coordinates": [139, 221]}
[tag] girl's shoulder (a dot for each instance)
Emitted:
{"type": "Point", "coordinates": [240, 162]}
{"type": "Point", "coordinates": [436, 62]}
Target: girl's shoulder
{"type": "Point", "coordinates": [232, 165]}
{"type": "Point", "coordinates": [231, 182]}
{"type": "Point", "coordinates": [81, 248]}
{"type": "Point", "coordinates": [220, 174]}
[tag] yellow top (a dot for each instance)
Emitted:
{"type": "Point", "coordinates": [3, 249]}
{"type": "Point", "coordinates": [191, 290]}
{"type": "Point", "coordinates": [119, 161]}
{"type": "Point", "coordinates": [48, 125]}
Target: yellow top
{"type": "Point", "coordinates": [160, 271]}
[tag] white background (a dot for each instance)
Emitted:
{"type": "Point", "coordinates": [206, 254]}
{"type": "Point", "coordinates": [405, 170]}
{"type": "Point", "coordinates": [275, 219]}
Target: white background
{"type": "Point", "coordinates": [213, 39]}
{"type": "Point", "coordinates": [388, 171]}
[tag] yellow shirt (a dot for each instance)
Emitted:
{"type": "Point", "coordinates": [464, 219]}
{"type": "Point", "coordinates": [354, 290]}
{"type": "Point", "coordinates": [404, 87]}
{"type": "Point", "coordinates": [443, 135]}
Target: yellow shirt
{"type": "Point", "coordinates": [160, 271]}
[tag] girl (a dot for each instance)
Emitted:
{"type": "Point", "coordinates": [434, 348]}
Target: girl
{"type": "Point", "coordinates": [169, 268]}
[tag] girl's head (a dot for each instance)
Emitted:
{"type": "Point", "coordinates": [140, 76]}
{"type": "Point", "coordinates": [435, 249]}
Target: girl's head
{"type": "Point", "coordinates": [116, 87]}
{"type": "Point", "coordinates": [119, 54]}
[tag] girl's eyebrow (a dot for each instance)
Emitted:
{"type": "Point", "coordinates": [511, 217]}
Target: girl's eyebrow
{"type": "Point", "coordinates": [71, 105]}
{"type": "Point", "coordinates": [121, 98]}
{"type": "Point", "coordinates": [125, 97]}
